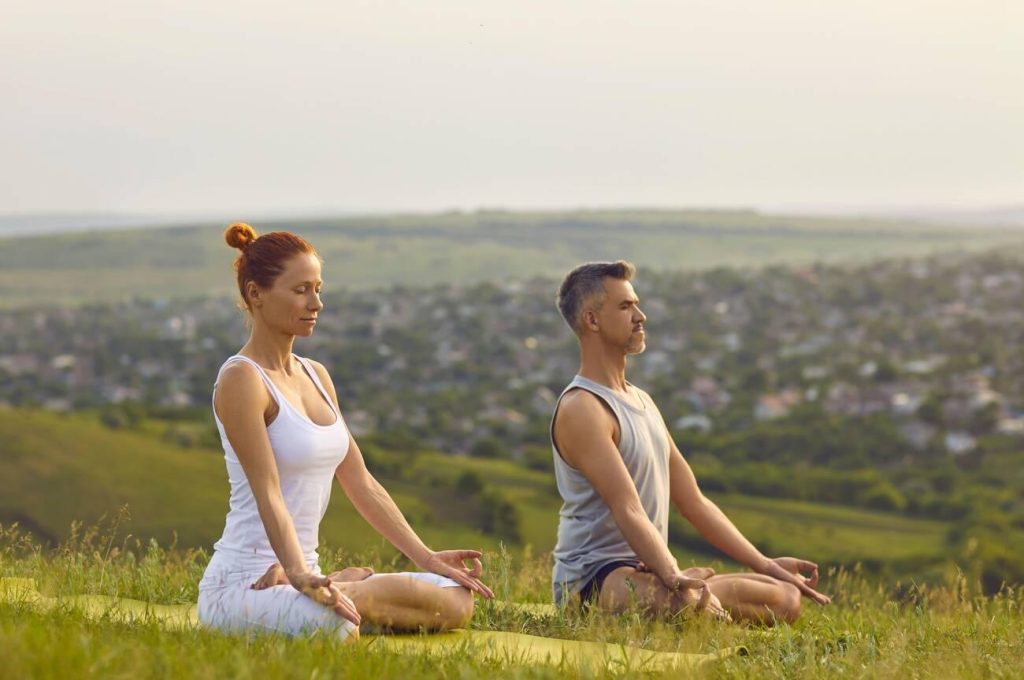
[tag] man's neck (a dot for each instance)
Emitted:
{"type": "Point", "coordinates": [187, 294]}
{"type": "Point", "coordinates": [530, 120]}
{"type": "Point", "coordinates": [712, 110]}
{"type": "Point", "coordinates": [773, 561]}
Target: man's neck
{"type": "Point", "coordinates": [604, 366]}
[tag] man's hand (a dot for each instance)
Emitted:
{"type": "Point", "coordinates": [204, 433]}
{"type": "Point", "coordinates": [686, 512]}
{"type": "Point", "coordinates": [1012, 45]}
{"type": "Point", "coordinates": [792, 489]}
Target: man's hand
{"type": "Point", "coordinates": [697, 595]}
{"type": "Point", "coordinates": [690, 572]}
{"type": "Point", "coordinates": [452, 563]}
{"type": "Point", "coordinates": [792, 570]}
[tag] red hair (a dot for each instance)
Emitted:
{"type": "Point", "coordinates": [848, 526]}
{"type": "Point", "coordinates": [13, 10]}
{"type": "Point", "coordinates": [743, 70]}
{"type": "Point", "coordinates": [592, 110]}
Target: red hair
{"type": "Point", "coordinates": [263, 257]}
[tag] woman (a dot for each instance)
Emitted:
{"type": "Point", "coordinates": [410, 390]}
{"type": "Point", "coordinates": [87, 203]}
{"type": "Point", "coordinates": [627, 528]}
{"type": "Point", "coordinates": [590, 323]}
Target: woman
{"type": "Point", "coordinates": [284, 439]}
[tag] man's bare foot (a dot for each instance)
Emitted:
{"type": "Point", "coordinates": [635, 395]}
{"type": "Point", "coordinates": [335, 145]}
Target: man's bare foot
{"type": "Point", "coordinates": [350, 574]}
{"type": "Point", "coordinates": [274, 576]}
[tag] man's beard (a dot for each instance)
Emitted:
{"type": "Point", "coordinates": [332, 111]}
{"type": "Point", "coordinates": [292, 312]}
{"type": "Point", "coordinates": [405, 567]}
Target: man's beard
{"type": "Point", "coordinates": [636, 346]}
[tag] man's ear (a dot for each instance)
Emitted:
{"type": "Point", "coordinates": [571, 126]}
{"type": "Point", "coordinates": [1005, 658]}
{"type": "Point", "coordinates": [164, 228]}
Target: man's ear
{"type": "Point", "coordinates": [590, 319]}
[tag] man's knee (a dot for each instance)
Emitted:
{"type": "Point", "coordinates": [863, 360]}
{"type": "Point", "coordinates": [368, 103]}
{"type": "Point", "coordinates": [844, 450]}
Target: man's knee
{"type": "Point", "coordinates": [787, 606]}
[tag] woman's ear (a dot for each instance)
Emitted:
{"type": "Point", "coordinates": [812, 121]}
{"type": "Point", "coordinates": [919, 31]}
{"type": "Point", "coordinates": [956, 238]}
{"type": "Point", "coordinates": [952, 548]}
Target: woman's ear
{"type": "Point", "coordinates": [252, 292]}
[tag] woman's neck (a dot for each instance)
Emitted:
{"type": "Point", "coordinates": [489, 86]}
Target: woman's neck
{"type": "Point", "coordinates": [272, 351]}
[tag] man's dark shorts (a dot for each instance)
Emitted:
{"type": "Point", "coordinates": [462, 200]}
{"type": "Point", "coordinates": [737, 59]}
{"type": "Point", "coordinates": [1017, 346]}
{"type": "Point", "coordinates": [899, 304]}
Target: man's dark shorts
{"type": "Point", "coordinates": [592, 588]}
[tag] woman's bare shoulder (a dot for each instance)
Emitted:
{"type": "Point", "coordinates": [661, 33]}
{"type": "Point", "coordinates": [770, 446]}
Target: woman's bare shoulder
{"type": "Point", "coordinates": [322, 373]}
{"type": "Point", "coordinates": [240, 388]}
{"type": "Point", "coordinates": [238, 374]}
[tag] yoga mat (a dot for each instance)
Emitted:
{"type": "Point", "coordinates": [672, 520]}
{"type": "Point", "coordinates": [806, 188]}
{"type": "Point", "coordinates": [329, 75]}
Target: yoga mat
{"type": "Point", "coordinates": [504, 647]}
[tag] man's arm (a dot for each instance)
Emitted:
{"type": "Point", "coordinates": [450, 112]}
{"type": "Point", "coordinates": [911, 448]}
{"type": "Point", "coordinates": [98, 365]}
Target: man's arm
{"type": "Point", "coordinates": [585, 436]}
{"type": "Point", "coordinates": [719, 530]}
{"type": "Point", "coordinates": [707, 517]}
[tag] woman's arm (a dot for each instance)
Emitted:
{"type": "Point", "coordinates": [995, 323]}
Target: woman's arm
{"type": "Point", "coordinates": [376, 506]}
{"type": "Point", "coordinates": [241, 399]}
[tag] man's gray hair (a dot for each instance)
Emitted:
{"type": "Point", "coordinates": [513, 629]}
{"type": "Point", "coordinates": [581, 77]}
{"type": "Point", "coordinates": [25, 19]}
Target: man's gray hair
{"type": "Point", "coordinates": [586, 281]}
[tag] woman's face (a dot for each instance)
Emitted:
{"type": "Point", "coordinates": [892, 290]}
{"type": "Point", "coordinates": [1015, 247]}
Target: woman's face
{"type": "Point", "coordinates": [292, 304]}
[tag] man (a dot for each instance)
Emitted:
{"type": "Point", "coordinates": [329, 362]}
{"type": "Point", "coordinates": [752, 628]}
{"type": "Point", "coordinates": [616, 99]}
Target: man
{"type": "Point", "coordinates": [618, 470]}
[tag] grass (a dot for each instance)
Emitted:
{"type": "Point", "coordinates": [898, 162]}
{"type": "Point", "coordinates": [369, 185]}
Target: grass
{"type": "Point", "coordinates": [873, 629]}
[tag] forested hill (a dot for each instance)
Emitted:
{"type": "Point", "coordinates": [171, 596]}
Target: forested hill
{"type": "Point", "coordinates": [456, 248]}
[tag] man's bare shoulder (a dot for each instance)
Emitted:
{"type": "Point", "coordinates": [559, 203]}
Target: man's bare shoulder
{"type": "Point", "coordinates": [643, 393]}
{"type": "Point", "coordinates": [586, 434]}
{"type": "Point", "coordinates": [581, 409]}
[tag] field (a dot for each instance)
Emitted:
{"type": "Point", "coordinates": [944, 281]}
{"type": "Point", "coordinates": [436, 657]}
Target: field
{"type": "Point", "coordinates": [371, 252]}
{"type": "Point", "coordinates": [901, 607]}
{"type": "Point", "coordinates": [898, 630]}
{"type": "Point", "coordinates": [59, 469]}
{"type": "Point", "coordinates": [66, 468]}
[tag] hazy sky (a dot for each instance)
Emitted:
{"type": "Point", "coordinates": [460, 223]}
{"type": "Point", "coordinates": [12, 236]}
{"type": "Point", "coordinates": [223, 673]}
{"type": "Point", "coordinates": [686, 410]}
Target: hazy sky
{"type": "Point", "coordinates": [249, 107]}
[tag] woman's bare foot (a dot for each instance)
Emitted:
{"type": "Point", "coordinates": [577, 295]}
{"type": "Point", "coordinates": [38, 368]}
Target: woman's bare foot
{"type": "Point", "coordinates": [275, 576]}
{"type": "Point", "coordinates": [351, 574]}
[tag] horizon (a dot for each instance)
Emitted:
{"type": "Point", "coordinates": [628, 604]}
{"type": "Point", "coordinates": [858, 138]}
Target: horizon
{"type": "Point", "coordinates": [55, 222]}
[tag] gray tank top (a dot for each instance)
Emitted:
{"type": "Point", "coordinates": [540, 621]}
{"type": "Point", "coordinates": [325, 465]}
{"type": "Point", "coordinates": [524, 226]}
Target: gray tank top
{"type": "Point", "coordinates": [588, 537]}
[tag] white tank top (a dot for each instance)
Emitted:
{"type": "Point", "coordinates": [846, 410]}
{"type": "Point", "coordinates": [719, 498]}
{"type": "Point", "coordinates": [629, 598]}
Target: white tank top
{"type": "Point", "coordinates": [307, 456]}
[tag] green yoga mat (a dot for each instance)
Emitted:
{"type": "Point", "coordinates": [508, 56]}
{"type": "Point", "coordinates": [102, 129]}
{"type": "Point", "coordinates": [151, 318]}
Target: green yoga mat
{"type": "Point", "coordinates": [503, 647]}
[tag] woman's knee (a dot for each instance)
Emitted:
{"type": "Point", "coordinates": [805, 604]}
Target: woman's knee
{"type": "Point", "coordinates": [787, 605]}
{"type": "Point", "coordinates": [456, 609]}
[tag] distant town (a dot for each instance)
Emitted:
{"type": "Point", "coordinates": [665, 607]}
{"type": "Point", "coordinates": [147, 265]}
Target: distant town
{"type": "Point", "coordinates": [933, 344]}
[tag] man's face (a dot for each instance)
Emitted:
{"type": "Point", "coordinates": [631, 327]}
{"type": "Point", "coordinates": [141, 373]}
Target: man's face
{"type": "Point", "coordinates": [619, 319]}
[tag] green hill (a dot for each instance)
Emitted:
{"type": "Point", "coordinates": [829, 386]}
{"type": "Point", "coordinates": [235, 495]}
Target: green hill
{"type": "Point", "coordinates": [61, 468]}
{"type": "Point", "coordinates": [455, 248]}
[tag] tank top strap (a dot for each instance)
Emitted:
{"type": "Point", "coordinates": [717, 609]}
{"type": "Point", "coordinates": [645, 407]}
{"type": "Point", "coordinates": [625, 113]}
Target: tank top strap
{"type": "Point", "coordinates": [615, 400]}
{"type": "Point", "coordinates": [316, 380]}
{"type": "Point", "coordinates": [275, 395]}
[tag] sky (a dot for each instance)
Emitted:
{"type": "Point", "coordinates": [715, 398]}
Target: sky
{"type": "Point", "coordinates": [250, 107]}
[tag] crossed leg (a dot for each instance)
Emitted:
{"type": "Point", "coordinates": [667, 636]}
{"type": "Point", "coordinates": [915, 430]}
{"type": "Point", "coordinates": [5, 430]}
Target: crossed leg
{"type": "Point", "coordinates": [395, 601]}
{"type": "Point", "coordinates": [748, 597]}
{"type": "Point", "coordinates": [401, 603]}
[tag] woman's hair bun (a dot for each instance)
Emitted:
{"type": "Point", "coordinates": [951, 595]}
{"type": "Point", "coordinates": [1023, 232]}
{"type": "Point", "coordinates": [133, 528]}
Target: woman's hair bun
{"type": "Point", "coordinates": [239, 235]}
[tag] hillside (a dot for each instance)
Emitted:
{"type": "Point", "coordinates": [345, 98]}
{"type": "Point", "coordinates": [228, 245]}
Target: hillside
{"type": "Point", "coordinates": [455, 248]}
{"type": "Point", "coordinates": [63, 468]}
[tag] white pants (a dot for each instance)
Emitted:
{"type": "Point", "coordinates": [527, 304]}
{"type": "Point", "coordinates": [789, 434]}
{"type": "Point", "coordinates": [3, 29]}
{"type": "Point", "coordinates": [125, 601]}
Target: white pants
{"type": "Point", "coordinates": [228, 603]}
{"type": "Point", "coordinates": [280, 609]}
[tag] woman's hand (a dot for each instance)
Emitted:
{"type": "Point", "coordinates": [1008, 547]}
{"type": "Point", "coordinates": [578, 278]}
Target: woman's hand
{"type": "Point", "coordinates": [320, 589]}
{"type": "Point", "coordinates": [792, 570]}
{"type": "Point", "coordinates": [452, 563]}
